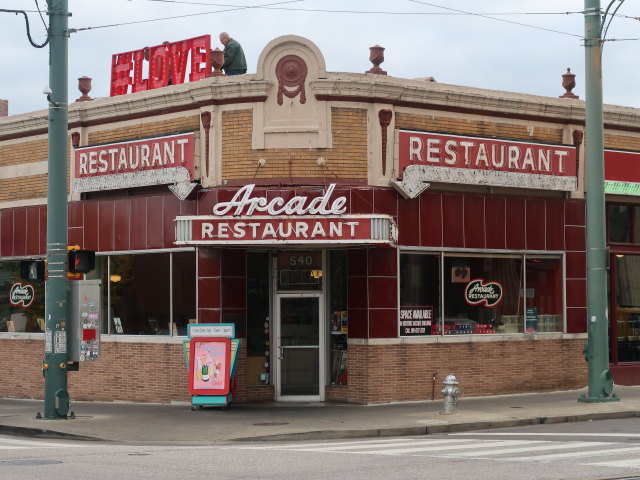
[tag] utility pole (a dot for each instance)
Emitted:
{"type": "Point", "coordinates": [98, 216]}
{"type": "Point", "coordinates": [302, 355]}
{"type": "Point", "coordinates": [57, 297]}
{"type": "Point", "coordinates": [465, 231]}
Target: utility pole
{"type": "Point", "coordinates": [597, 346]}
{"type": "Point", "coordinates": [56, 397]}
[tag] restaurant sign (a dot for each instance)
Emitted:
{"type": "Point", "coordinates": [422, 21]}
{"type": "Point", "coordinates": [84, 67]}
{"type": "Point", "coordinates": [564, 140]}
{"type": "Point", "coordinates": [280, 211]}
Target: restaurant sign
{"type": "Point", "coordinates": [299, 220]}
{"type": "Point", "coordinates": [479, 292]}
{"type": "Point", "coordinates": [622, 172]}
{"type": "Point", "coordinates": [21, 295]}
{"type": "Point", "coordinates": [137, 163]}
{"type": "Point", "coordinates": [433, 157]}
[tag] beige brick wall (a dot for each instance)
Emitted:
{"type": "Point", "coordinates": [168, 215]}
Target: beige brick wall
{"type": "Point", "coordinates": [24, 152]}
{"type": "Point", "coordinates": [622, 143]}
{"type": "Point", "coordinates": [463, 126]}
{"type": "Point", "coordinates": [148, 129]}
{"type": "Point", "coordinates": [32, 186]}
{"type": "Point", "coordinates": [23, 188]}
{"type": "Point", "coordinates": [346, 160]}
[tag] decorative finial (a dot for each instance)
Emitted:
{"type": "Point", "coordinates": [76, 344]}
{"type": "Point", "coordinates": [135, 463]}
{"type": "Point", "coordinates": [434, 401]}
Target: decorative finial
{"type": "Point", "coordinates": [376, 56]}
{"type": "Point", "coordinates": [569, 83]}
{"type": "Point", "coordinates": [84, 85]}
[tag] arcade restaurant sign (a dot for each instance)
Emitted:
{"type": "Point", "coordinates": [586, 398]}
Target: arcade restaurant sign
{"type": "Point", "coordinates": [299, 220]}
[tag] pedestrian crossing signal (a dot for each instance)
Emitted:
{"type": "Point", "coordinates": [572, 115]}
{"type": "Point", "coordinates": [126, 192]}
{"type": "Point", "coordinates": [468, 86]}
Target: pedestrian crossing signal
{"type": "Point", "coordinates": [81, 261]}
{"type": "Point", "coordinates": [32, 270]}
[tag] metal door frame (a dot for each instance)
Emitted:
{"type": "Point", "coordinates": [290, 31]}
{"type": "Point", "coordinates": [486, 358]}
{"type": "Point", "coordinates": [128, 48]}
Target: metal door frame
{"type": "Point", "coordinates": [321, 347]}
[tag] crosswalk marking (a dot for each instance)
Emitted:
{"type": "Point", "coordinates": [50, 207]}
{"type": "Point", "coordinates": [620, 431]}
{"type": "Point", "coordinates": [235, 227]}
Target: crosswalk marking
{"type": "Point", "coordinates": [431, 448]}
{"type": "Point", "coordinates": [467, 448]}
{"type": "Point", "coordinates": [324, 444]}
{"type": "Point", "coordinates": [8, 443]}
{"type": "Point", "coordinates": [560, 456]}
{"type": "Point", "coordinates": [539, 434]}
{"type": "Point", "coordinates": [529, 448]}
{"type": "Point", "coordinates": [26, 442]}
{"type": "Point", "coordinates": [629, 463]}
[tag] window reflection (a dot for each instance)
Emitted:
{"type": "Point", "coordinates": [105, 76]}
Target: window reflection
{"type": "Point", "coordinates": [16, 317]}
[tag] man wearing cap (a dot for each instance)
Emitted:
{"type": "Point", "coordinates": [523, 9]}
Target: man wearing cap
{"type": "Point", "coordinates": [234, 61]}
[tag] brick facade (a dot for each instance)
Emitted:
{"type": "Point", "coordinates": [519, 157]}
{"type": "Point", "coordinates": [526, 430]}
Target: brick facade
{"type": "Point", "coordinates": [405, 372]}
{"type": "Point", "coordinates": [347, 160]}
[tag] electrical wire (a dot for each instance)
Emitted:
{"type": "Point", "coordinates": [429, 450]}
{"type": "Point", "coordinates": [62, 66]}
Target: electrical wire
{"type": "Point", "coordinates": [41, 17]}
{"type": "Point", "coordinates": [26, 19]}
{"type": "Point", "coordinates": [366, 12]}
{"type": "Point", "coordinates": [74, 30]}
{"type": "Point", "coordinates": [494, 18]}
{"type": "Point", "coordinates": [604, 34]}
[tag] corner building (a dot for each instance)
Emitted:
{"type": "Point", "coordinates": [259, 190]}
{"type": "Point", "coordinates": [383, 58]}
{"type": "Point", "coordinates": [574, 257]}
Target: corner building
{"type": "Point", "coordinates": [366, 234]}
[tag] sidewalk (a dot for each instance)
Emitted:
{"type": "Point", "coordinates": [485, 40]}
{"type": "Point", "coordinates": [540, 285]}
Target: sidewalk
{"type": "Point", "coordinates": [178, 424]}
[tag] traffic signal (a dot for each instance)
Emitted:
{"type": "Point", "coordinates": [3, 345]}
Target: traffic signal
{"type": "Point", "coordinates": [81, 261]}
{"type": "Point", "coordinates": [32, 270]}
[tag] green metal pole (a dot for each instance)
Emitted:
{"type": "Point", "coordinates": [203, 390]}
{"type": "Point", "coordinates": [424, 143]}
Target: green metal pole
{"type": "Point", "coordinates": [597, 346]}
{"type": "Point", "coordinates": [56, 397]}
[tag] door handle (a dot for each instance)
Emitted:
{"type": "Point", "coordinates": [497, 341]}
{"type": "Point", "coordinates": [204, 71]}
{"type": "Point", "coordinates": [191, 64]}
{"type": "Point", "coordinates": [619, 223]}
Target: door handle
{"type": "Point", "coordinates": [281, 356]}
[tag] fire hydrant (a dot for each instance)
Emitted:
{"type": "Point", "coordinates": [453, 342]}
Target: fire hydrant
{"type": "Point", "coordinates": [451, 393]}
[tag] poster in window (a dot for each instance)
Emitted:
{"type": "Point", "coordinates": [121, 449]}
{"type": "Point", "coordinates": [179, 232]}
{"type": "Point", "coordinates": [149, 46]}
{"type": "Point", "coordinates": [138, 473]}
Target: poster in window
{"type": "Point", "coordinates": [415, 321]}
{"type": "Point", "coordinates": [209, 363]}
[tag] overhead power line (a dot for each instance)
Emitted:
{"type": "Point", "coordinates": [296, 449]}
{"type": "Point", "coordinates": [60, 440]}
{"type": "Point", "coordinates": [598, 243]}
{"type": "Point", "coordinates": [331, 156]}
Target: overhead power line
{"type": "Point", "coordinates": [494, 18]}
{"type": "Point", "coordinates": [366, 12]}
{"type": "Point", "coordinates": [26, 19]}
{"type": "Point", "coordinates": [73, 30]}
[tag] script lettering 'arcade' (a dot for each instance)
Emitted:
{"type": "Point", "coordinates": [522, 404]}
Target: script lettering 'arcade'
{"type": "Point", "coordinates": [248, 219]}
{"type": "Point", "coordinates": [162, 65]}
{"type": "Point", "coordinates": [243, 204]}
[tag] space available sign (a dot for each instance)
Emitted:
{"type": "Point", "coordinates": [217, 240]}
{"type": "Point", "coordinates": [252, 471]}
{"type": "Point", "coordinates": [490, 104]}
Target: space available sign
{"type": "Point", "coordinates": [415, 321]}
{"type": "Point", "coordinates": [253, 219]}
{"type": "Point", "coordinates": [137, 163]}
{"type": "Point", "coordinates": [433, 157]}
{"type": "Point", "coordinates": [479, 292]}
{"type": "Point", "coordinates": [21, 295]}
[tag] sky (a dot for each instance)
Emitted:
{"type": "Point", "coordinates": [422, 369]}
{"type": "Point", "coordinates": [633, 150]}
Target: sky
{"type": "Point", "coordinates": [522, 46]}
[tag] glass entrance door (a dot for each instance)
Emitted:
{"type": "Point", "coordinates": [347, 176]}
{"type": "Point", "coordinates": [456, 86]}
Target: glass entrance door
{"type": "Point", "coordinates": [299, 347]}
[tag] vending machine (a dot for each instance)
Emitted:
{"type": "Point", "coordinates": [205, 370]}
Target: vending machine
{"type": "Point", "coordinates": [85, 320]}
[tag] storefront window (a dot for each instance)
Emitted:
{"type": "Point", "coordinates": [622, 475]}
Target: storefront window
{"type": "Point", "coordinates": [624, 224]}
{"type": "Point", "coordinates": [147, 294]}
{"type": "Point", "coordinates": [258, 321]}
{"type": "Point", "coordinates": [21, 300]}
{"type": "Point", "coordinates": [483, 295]}
{"type": "Point", "coordinates": [542, 294]}
{"type": "Point", "coordinates": [420, 295]}
{"type": "Point", "coordinates": [628, 308]}
{"type": "Point", "coordinates": [620, 223]}
{"type": "Point", "coordinates": [339, 318]}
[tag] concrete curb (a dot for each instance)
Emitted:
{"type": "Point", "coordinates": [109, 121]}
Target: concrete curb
{"type": "Point", "coordinates": [44, 433]}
